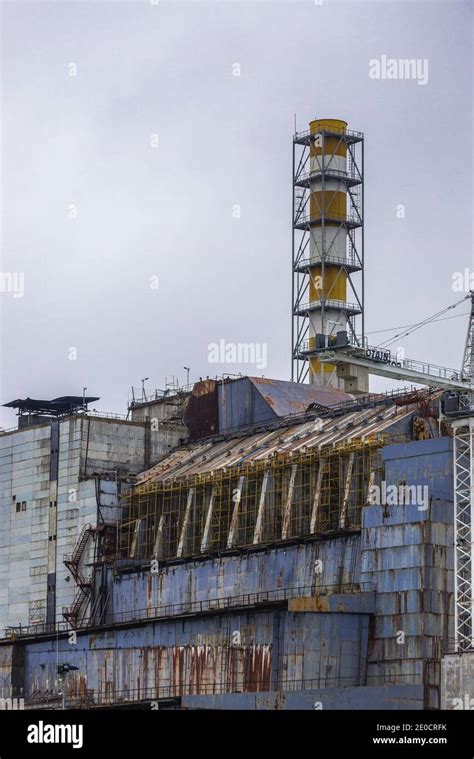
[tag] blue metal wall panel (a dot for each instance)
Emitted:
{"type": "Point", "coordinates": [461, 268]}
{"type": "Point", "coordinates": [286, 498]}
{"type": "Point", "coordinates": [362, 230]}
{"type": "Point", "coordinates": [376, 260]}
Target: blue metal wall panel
{"type": "Point", "coordinates": [197, 655]}
{"type": "Point", "coordinates": [292, 567]}
{"type": "Point", "coordinates": [404, 553]}
{"type": "Point", "coordinates": [389, 697]}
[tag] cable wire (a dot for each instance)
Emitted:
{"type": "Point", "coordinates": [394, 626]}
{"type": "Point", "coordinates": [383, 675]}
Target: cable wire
{"type": "Point", "coordinates": [389, 341]}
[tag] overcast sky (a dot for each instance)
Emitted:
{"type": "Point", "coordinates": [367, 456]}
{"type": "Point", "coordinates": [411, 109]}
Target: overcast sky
{"type": "Point", "coordinates": [93, 211]}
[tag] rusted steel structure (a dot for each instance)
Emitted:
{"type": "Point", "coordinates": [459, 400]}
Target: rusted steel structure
{"type": "Point", "coordinates": [265, 569]}
{"type": "Point", "coordinates": [280, 498]}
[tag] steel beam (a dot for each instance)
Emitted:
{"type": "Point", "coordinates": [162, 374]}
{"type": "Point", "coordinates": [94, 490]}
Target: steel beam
{"type": "Point", "coordinates": [257, 535]}
{"type": "Point", "coordinates": [235, 513]}
{"type": "Point", "coordinates": [395, 372]}
{"type": "Point", "coordinates": [184, 528]}
{"type": "Point", "coordinates": [317, 497]}
{"type": "Point", "coordinates": [207, 525]}
{"type": "Point", "coordinates": [288, 504]}
{"type": "Point", "coordinates": [347, 490]}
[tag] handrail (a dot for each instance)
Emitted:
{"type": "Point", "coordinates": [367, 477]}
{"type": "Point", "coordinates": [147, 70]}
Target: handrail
{"type": "Point", "coordinates": [321, 215]}
{"type": "Point", "coordinates": [196, 607]}
{"type": "Point", "coordinates": [342, 131]}
{"type": "Point", "coordinates": [177, 690]}
{"type": "Point", "coordinates": [326, 169]}
{"type": "Point", "coordinates": [328, 303]}
{"type": "Point", "coordinates": [317, 259]}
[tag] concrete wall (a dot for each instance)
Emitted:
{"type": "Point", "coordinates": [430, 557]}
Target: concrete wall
{"type": "Point", "coordinates": [24, 479]}
{"type": "Point", "coordinates": [54, 486]}
{"type": "Point", "coordinates": [109, 445]}
{"type": "Point", "coordinates": [165, 423]}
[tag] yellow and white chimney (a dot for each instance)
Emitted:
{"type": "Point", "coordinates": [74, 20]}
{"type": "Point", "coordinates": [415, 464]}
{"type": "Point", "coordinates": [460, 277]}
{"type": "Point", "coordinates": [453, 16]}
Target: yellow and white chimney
{"type": "Point", "coordinates": [328, 186]}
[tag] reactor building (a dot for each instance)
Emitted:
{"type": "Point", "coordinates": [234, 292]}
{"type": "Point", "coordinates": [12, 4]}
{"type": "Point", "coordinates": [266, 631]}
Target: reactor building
{"type": "Point", "coordinates": [244, 542]}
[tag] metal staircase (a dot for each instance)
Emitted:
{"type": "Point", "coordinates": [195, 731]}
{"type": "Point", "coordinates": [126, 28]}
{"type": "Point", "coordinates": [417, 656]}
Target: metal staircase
{"type": "Point", "coordinates": [74, 613]}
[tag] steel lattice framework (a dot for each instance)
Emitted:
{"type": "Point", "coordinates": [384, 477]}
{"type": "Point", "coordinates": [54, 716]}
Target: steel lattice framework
{"type": "Point", "coordinates": [463, 430]}
{"type": "Point", "coordinates": [287, 497]}
{"type": "Point", "coordinates": [463, 433]}
{"type": "Point", "coordinates": [468, 359]}
{"type": "Point", "coordinates": [311, 248]}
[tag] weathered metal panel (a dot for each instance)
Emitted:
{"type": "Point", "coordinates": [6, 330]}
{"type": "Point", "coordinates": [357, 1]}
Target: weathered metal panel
{"type": "Point", "coordinates": [201, 413]}
{"type": "Point", "coordinates": [389, 697]}
{"type": "Point", "coordinates": [204, 457]}
{"type": "Point", "coordinates": [232, 577]}
{"type": "Point", "coordinates": [407, 553]}
{"type": "Point", "coordinates": [286, 398]}
{"type": "Point", "coordinates": [161, 660]}
{"type": "Point", "coordinates": [219, 654]}
{"type": "Point", "coordinates": [255, 400]}
{"type": "Point", "coordinates": [355, 603]}
{"type": "Point", "coordinates": [236, 405]}
{"type": "Point", "coordinates": [457, 681]}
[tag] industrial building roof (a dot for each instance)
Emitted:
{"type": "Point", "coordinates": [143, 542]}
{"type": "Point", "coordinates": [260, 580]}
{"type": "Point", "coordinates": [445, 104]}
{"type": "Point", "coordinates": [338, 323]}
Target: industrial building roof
{"type": "Point", "coordinates": [294, 397]}
{"type": "Point", "coordinates": [312, 432]}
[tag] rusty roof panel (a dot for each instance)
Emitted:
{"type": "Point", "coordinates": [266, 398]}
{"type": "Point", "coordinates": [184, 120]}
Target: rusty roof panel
{"type": "Point", "coordinates": [287, 398]}
{"type": "Point", "coordinates": [314, 433]}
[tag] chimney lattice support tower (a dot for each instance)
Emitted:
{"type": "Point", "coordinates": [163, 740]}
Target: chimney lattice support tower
{"type": "Point", "coordinates": [327, 251]}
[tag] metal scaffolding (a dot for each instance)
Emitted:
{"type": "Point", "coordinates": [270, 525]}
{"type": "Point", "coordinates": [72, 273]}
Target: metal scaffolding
{"type": "Point", "coordinates": [286, 497]}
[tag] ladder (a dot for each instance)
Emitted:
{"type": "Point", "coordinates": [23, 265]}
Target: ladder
{"type": "Point", "coordinates": [73, 613]}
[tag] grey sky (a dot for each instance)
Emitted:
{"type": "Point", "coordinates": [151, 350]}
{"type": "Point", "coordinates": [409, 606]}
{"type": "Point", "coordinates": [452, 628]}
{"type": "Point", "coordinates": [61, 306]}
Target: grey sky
{"type": "Point", "coordinates": [223, 140]}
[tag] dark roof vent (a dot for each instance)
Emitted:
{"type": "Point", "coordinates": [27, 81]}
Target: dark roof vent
{"type": "Point", "coordinates": [66, 404]}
